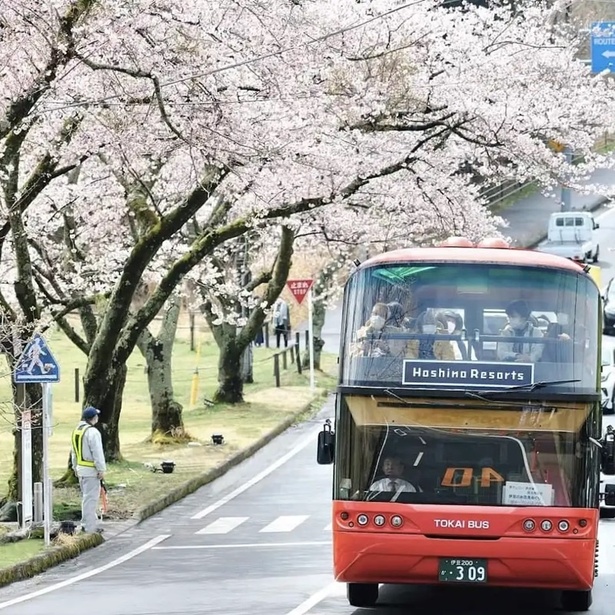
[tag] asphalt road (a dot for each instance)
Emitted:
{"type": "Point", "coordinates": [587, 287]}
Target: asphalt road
{"type": "Point", "coordinates": [257, 542]}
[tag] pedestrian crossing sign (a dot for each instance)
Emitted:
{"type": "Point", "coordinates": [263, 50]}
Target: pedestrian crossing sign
{"type": "Point", "coordinates": [36, 363]}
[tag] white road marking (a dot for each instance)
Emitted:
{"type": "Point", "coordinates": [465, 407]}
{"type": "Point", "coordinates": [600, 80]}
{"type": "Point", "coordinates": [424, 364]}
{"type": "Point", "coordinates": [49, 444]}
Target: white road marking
{"type": "Point", "coordinates": [86, 575]}
{"type": "Point", "coordinates": [311, 439]}
{"type": "Point", "coordinates": [285, 523]}
{"type": "Point", "coordinates": [223, 525]}
{"type": "Point", "coordinates": [329, 591]}
{"type": "Point", "coordinates": [245, 545]}
{"type": "Point", "coordinates": [329, 528]}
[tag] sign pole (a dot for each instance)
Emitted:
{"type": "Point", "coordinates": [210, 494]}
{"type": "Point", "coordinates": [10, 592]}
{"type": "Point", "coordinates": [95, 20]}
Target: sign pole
{"type": "Point", "coordinates": [311, 334]}
{"type": "Point", "coordinates": [27, 503]}
{"type": "Point", "coordinates": [300, 289]}
{"type": "Point", "coordinates": [37, 365]}
{"type": "Point", "coordinates": [47, 493]}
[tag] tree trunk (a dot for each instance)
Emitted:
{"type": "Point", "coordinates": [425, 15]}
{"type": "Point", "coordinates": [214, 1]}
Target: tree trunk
{"type": "Point", "coordinates": [231, 343]}
{"type": "Point", "coordinates": [230, 382]}
{"type": "Point", "coordinates": [167, 420]}
{"type": "Point", "coordinates": [318, 322]}
{"type": "Point", "coordinates": [27, 396]}
{"type": "Point", "coordinates": [105, 393]}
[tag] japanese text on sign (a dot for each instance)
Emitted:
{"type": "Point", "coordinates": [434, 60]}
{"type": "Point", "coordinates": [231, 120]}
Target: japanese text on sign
{"type": "Point", "coordinates": [299, 288]}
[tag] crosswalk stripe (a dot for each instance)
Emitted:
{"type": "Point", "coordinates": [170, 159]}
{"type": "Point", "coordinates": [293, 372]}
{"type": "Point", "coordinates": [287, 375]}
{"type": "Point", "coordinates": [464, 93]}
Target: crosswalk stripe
{"type": "Point", "coordinates": [285, 523]}
{"type": "Point", "coordinates": [223, 525]}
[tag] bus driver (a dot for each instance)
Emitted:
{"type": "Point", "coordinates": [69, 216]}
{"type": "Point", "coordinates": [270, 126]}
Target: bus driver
{"type": "Point", "coordinates": [393, 469]}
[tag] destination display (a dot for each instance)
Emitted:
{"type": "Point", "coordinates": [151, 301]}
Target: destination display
{"type": "Point", "coordinates": [417, 372]}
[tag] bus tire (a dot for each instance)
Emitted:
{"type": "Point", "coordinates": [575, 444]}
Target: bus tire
{"type": "Point", "coordinates": [576, 600]}
{"type": "Point", "coordinates": [362, 594]}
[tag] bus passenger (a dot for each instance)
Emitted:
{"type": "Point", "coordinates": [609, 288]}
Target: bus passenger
{"type": "Point", "coordinates": [454, 326]}
{"type": "Point", "coordinates": [430, 349]}
{"type": "Point", "coordinates": [519, 325]}
{"type": "Point", "coordinates": [393, 469]}
{"type": "Point", "coordinates": [369, 337]}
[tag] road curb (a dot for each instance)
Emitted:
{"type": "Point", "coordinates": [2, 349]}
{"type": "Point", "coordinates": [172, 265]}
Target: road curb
{"type": "Point", "coordinates": [533, 243]}
{"type": "Point", "coordinates": [53, 557]}
{"type": "Point", "coordinates": [181, 491]}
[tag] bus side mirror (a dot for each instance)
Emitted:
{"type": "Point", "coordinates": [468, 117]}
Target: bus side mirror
{"type": "Point", "coordinates": [326, 445]}
{"type": "Point", "coordinates": [608, 452]}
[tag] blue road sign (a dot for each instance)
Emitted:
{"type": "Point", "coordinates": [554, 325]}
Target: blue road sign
{"type": "Point", "coordinates": [36, 363]}
{"type": "Point", "coordinates": [603, 46]}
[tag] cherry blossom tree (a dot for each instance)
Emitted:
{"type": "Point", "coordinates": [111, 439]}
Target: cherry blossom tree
{"type": "Point", "coordinates": [138, 139]}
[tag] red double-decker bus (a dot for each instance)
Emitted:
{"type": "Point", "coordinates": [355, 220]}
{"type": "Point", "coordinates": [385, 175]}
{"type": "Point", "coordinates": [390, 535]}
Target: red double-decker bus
{"type": "Point", "coordinates": [467, 440]}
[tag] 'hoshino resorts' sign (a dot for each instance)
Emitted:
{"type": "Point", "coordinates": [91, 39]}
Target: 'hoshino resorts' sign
{"type": "Point", "coordinates": [466, 373]}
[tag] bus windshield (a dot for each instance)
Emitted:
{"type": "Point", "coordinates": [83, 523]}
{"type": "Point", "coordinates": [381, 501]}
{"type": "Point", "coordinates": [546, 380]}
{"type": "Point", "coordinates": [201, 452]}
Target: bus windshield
{"type": "Point", "coordinates": [467, 453]}
{"type": "Point", "coordinates": [470, 326]}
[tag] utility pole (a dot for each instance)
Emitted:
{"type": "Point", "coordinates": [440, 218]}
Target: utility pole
{"type": "Point", "coordinates": [565, 204]}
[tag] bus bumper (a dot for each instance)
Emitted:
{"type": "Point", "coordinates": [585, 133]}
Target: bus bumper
{"type": "Point", "coordinates": [549, 563]}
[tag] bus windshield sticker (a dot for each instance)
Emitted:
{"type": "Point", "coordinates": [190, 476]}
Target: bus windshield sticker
{"type": "Point", "coordinates": [527, 494]}
{"type": "Point", "coordinates": [419, 372]}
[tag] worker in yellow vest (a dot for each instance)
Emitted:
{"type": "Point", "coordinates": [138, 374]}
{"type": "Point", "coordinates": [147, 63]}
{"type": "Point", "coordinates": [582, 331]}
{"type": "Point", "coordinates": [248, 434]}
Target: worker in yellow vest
{"type": "Point", "coordinates": [88, 460]}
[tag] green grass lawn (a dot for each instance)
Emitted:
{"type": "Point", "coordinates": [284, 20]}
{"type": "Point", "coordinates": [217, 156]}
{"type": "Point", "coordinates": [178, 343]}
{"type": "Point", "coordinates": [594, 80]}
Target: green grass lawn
{"type": "Point", "coordinates": [15, 552]}
{"type": "Point", "coordinates": [131, 484]}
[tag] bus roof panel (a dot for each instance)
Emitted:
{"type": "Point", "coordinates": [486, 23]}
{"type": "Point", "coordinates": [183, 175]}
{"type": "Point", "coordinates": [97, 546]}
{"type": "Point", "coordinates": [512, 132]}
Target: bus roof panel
{"type": "Point", "coordinates": [509, 256]}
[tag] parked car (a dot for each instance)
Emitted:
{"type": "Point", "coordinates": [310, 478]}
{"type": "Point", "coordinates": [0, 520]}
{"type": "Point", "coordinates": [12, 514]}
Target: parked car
{"type": "Point", "coordinates": [608, 308]}
{"type": "Point", "coordinates": [608, 379]}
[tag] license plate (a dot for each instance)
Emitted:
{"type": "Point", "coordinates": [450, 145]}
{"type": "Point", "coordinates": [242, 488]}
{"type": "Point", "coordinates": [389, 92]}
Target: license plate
{"type": "Point", "coordinates": [460, 570]}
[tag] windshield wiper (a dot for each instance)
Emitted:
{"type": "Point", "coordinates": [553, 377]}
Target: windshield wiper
{"type": "Point", "coordinates": [507, 404]}
{"type": "Point", "coordinates": [526, 387]}
{"type": "Point", "coordinates": [542, 384]}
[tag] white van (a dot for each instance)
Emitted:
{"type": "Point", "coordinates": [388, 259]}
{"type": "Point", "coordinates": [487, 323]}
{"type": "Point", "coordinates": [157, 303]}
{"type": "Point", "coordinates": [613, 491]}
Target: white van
{"type": "Point", "coordinates": [572, 235]}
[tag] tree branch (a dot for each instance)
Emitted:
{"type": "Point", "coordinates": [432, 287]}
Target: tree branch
{"type": "Point", "coordinates": [279, 276]}
{"type": "Point", "coordinates": [59, 56]}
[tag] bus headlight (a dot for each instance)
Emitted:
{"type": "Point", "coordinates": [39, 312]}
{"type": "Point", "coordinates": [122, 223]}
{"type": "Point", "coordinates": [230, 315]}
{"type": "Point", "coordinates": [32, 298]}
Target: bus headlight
{"type": "Point", "coordinates": [362, 519]}
{"type": "Point", "coordinates": [546, 525]}
{"type": "Point", "coordinates": [379, 520]}
{"type": "Point", "coordinates": [563, 525]}
{"type": "Point", "coordinates": [396, 521]}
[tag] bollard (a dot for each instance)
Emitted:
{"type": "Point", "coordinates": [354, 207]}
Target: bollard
{"type": "Point", "coordinates": [284, 360]}
{"type": "Point", "coordinates": [192, 327]}
{"type": "Point", "coordinates": [298, 351]}
{"type": "Point", "coordinates": [292, 353]}
{"type": "Point", "coordinates": [76, 384]}
{"type": "Point", "coordinates": [276, 369]}
{"type": "Point", "coordinates": [38, 502]}
{"type": "Point", "coordinates": [266, 335]}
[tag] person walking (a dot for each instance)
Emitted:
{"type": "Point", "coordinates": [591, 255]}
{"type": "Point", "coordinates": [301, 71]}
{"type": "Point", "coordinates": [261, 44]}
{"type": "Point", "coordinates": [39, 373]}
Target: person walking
{"type": "Point", "coordinates": [281, 321]}
{"type": "Point", "coordinates": [88, 461]}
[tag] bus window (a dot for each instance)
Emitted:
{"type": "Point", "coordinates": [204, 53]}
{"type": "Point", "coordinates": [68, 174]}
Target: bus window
{"type": "Point", "coordinates": [418, 350]}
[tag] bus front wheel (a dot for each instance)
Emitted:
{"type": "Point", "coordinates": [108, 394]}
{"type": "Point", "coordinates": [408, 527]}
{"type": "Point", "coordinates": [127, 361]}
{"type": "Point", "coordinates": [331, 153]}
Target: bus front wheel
{"type": "Point", "coordinates": [576, 600]}
{"type": "Point", "coordinates": [362, 594]}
